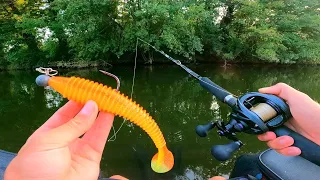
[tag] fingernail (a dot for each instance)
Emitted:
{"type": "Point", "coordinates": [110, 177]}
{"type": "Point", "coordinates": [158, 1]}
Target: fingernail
{"type": "Point", "coordinates": [291, 151]}
{"type": "Point", "coordinates": [294, 152]}
{"type": "Point", "coordinates": [88, 108]}
{"type": "Point", "coordinates": [262, 137]}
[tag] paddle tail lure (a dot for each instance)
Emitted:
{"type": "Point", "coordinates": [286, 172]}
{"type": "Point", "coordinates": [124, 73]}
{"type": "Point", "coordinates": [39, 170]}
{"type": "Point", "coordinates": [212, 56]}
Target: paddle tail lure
{"type": "Point", "coordinates": [112, 101]}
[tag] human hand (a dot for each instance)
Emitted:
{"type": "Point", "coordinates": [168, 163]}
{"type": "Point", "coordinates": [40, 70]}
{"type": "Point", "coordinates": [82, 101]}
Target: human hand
{"type": "Point", "coordinates": [305, 119]}
{"type": "Point", "coordinates": [55, 151]}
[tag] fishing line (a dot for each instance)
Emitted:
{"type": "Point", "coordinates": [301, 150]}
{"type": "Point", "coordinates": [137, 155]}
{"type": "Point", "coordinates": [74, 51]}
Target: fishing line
{"type": "Point", "coordinates": [114, 136]}
{"type": "Point", "coordinates": [197, 76]}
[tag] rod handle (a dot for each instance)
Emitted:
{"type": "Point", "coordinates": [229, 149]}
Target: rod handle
{"type": "Point", "coordinates": [309, 150]}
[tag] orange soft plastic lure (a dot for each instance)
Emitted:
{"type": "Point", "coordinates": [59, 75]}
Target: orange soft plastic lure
{"type": "Point", "coordinates": [112, 101]}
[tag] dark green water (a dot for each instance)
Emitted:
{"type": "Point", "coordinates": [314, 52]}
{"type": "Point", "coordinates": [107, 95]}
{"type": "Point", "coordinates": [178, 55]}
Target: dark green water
{"type": "Point", "coordinates": [174, 99]}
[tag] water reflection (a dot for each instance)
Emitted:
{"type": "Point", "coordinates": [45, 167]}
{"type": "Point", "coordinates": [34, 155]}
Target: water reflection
{"type": "Point", "coordinates": [215, 107]}
{"type": "Point", "coordinates": [192, 173]}
{"type": "Point", "coordinates": [175, 100]}
{"type": "Point", "coordinates": [53, 98]}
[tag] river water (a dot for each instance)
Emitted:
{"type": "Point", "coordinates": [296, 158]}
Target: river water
{"type": "Point", "coordinates": [175, 100]}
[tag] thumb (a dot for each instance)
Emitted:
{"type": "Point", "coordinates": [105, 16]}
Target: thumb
{"type": "Point", "coordinates": [280, 89]}
{"type": "Point", "coordinates": [76, 127]}
{"type": "Point", "coordinates": [275, 89]}
{"type": "Point", "coordinates": [118, 177]}
{"type": "Point", "coordinates": [217, 178]}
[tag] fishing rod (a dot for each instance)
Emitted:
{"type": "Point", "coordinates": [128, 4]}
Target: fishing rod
{"type": "Point", "coordinates": [251, 113]}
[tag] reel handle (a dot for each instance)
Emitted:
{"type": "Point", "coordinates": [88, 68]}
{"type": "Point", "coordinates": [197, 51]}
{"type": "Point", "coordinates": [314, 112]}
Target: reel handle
{"type": "Point", "coordinates": [202, 130]}
{"type": "Point", "coordinates": [224, 152]}
{"type": "Point", "coordinates": [309, 150]}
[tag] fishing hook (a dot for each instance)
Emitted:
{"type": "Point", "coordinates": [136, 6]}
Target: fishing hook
{"type": "Point", "coordinates": [112, 75]}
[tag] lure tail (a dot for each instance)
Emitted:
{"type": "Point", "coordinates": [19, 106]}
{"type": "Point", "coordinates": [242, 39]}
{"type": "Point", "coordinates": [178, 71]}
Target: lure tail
{"type": "Point", "coordinates": [162, 161]}
{"type": "Point", "coordinates": [112, 101]}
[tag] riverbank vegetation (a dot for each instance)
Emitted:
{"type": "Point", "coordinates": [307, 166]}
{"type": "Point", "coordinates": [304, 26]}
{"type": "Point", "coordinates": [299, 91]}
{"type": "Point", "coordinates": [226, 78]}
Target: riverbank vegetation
{"type": "Point", "coordinates": [40, 32]}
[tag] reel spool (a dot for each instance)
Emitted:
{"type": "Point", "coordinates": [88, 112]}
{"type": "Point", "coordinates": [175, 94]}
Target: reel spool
{"type": "Point", "coordinates": [252, 113]}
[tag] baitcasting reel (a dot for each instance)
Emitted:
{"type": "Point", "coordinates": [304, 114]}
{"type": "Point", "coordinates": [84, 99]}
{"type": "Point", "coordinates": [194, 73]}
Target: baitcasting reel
{"type": "Point", "coordinates": [252, 113]}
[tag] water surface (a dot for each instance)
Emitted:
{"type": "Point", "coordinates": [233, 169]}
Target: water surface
{"type": "Point", "coordinates": [175, 100]}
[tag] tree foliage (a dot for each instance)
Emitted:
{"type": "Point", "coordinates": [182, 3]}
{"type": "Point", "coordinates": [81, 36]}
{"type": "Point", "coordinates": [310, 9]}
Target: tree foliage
{"type": "Point", "coordinates": [276, 31]}
{"type": "Point", "coordinates": [36, 32]}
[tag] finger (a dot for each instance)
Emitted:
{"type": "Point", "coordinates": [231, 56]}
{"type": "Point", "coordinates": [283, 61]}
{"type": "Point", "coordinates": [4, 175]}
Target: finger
{"type": "Point", "coordinates": [268, 136]}
{"type": "Point", "coordinates": [281, 142]}
{"type": "Point", "coordinates": [98, 134]}
{"type": "Point", "coordinates": [218, 178]}
{"type": "Point", "coordinates": [64, 114]}
{"type": "Point", "coordinates": [290, 151]}
{"type": "Point", "coordinates": [280, 89]}
{"type": "Point", "coordinates": [76, 127]}
{"type": "Point", "coordinates": [118, 177]}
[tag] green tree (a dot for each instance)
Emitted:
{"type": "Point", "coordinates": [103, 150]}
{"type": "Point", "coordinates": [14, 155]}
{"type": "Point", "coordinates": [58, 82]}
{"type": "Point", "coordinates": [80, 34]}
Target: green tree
{"type": "Point", "coordinates": [274, 31]}
{"type": "Point", "coordinates": [19, 44]}
{"type": "Point", "coordinates": [36, 32]}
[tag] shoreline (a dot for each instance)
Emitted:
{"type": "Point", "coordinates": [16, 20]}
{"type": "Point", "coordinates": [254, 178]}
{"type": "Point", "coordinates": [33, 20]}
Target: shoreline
{"type": "Point", "coordinates": [92, 64]}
